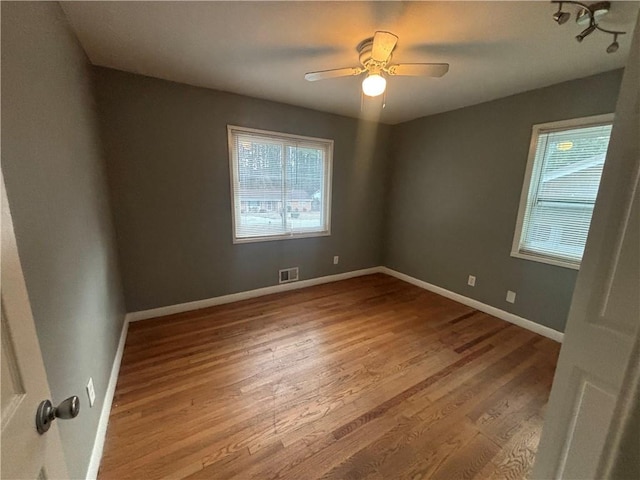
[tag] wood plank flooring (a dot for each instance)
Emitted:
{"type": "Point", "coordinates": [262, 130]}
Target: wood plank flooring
{"type": "Point", "coordinates": [365, 378]}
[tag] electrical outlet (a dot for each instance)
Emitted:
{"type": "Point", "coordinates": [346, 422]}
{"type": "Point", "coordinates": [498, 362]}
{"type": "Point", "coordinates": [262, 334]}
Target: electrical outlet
{"type": "Point", "coordinates": [472, 281]}
{"type": "Point", "coordinates": [511, 296]}
{"type": "Point", "coordinates": [336, 259]}
{"type": "Point", "coordinates": [91, 392]}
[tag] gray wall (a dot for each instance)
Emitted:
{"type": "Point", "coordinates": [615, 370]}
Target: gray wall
{"type": "Point", "coordinates": [448, 210]}
{"type": "Point", "coordinates": [455, 191]}
{"type": "Point", "coordinates": [57, 192]}
{"type": "Point", "coordinates": [168, 167]}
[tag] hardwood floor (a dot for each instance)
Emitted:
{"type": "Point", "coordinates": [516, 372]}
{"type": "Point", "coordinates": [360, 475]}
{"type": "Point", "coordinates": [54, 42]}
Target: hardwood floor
{"type": "Point", "coordinates": [364, 378]}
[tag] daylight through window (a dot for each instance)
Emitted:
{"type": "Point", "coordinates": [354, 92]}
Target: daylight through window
{"type": "Point", "coordinates": [560, 189]}
{"type": "Point", "coordinates": [280, 185]}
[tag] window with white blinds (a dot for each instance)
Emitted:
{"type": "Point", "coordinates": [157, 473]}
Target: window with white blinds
{"type": "Point", "coordinates": [280, 185]}
{"type": "Point", "coordinates": [560, 188]}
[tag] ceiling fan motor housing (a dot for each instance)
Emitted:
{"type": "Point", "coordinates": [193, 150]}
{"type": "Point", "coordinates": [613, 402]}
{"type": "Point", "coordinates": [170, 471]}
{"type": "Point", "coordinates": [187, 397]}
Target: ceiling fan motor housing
{"type": "Point", "coordinates": [364, 49]}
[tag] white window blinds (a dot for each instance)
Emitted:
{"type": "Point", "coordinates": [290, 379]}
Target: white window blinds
{"type": "Point", "coordinates": [280, 185]}
{"type": "Point", "coordinates": [561, 193]}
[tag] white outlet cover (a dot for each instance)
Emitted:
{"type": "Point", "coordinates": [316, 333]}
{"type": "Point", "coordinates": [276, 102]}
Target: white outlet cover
{"type": "Point", "coordinates": [91, 392]}
{"type": "Point", "coordinates": [472, 281]}
{"type": "Point", "coordinates": [336, 259]}
{"type": "Point", "coordinates": [511, 296]}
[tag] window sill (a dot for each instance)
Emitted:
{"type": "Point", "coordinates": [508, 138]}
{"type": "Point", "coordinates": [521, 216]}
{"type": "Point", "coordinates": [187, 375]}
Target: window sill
{"type": "Point", "coordinates": [548, 260]}
{"type": "Point", "coordinates": [272, 238]}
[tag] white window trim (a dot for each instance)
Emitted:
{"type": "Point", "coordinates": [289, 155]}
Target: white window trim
{"type": "Point", "coordinates": [591, 121]}
{"type": "Point", "coordinates": [233, 179]}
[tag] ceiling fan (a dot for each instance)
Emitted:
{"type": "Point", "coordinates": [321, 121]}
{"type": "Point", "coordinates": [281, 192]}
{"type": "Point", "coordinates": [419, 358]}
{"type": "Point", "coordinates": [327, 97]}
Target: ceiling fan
{"type": "Point", "coordinates": [375, 57]}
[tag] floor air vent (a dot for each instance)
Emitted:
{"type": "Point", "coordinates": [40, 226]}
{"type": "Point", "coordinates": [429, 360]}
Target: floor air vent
{"type": "Point", "coordinates": [289, 275]}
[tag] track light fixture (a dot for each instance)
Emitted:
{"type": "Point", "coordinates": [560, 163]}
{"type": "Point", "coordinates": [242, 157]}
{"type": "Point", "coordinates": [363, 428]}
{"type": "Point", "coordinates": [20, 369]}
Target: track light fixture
{"type": "Point", "coordinates": [591, 13]}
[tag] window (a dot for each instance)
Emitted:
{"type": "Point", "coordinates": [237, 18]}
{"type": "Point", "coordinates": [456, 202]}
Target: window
{"type": "Point", "coordinates": [560, 188]}
{"type": "Point", "coordinates": [280, 185]}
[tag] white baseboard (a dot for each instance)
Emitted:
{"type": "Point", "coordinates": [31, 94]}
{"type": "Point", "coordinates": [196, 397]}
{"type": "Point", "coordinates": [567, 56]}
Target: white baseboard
{"type": "Point", "coordinates": [236, 297]}
{"type": "Point", "coordinates": [98, 444]}
{"type": "Point", "coordinates": [483, 307]}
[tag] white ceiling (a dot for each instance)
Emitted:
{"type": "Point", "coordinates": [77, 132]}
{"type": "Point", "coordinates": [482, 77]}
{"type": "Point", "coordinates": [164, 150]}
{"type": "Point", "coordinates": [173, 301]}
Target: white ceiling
{"type": "Point", "coordinates": [263, 49]}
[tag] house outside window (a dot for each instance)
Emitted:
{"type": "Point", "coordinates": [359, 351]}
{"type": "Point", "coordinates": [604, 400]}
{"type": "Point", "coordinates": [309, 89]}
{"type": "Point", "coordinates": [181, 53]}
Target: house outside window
{"type": "Point", "coordinates": [561, 184]}
{"type": "Point", "coordinates": [280, 185]}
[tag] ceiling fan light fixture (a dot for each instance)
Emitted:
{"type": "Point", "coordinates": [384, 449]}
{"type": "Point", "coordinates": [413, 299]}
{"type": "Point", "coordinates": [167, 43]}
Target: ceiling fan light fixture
{"type": "Point", "coordinates": [374, 85]}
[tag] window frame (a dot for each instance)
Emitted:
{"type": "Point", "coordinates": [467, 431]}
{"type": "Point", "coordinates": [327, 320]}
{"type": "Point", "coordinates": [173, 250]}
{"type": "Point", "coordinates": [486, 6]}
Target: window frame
{"type": "Point", "coordinates": [527, 184]}
{"type": "Point", "coordinates": [328, 145]}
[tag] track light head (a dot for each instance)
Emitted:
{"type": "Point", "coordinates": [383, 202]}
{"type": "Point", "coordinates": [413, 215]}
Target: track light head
{"type": "Point", "coordinates": [592, 11]}
{"type": "Point", "coordinates": [613, 47]}
{"type": "Point", "coordinates": [561, 17]}
{"type": "Point", "coordinates": [585, 33]}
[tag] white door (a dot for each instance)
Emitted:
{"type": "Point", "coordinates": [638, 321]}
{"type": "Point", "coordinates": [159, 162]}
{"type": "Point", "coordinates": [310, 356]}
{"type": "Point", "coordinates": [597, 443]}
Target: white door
{"type": "Point", "coordinates": [25, 453]}
{"type": "Point", "coordinates": [584, 411]}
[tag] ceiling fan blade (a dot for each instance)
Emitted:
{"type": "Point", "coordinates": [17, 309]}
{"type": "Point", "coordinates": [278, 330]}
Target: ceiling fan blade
{"type": "Point", "coordinates": [338, 72]}
{"type": "Point", "coordinates": [383, 45]}
{"type": "Point", "coordinates": [419, 69]}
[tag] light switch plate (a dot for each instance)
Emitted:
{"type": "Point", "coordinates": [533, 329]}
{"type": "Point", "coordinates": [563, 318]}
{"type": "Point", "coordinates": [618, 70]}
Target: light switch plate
{"type": "Point", "coordinates": [91, 392]}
